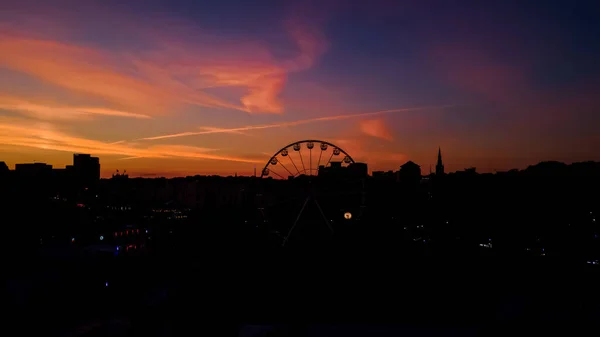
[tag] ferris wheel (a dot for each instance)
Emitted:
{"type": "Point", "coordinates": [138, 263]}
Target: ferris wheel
{"type": "Point", "coordinates": [297, 159]}
{"type": "Point", "coordinates": [294, 193]}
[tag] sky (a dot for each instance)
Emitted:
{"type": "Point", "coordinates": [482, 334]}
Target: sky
{"type": "Point", "coordinates": [175, 88]}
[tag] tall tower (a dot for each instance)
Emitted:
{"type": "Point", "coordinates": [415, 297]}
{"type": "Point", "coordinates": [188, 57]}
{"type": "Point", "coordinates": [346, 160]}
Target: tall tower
{"type": "Point", "coordinates": [439, 167]}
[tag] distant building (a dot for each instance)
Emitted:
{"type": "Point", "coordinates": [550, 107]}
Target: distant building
{"type": "Point", "coordinates": [33, 170]}
{"type": "Point", "coordinates": [439, 167]}
{"type": "Point", "coordinates": [337, 171]}
{"type": "Point", "coordinates": [334, 169]}
{"type": "Point", "coordinates": [472, 171]}
{"type": "Point", "coordinates": [409, 172]}
{"type": "Point", "coordinates": [120, 176]}
{"type": "Point", "coordinates": [358, 170]}
{"type": "Point", "coordinates": [3, 168]}
{"type": "Point", "coordinates": [86, 168]}
{"type": "Point", "coordinates": [63, 174]}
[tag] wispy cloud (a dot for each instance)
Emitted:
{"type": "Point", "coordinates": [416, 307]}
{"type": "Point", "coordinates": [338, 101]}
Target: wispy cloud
{"type": "Point", "coordinates": [288, 124]}
{"type": "Point", "coordinates": [51, 111]}
{"type": "Point", "coordinates": [376, 128]}
{"type": "Point", "coordinates": [209, 128]}
{"type": "Point", "coordinates": [43, 135]}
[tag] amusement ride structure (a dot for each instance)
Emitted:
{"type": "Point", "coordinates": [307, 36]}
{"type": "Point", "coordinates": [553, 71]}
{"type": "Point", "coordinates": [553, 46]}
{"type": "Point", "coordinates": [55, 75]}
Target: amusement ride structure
{"type": "Point", "coordinates": [304, 184]}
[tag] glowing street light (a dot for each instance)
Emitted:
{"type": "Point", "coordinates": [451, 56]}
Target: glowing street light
{"type": "Point", "coordinates": [347, 215]}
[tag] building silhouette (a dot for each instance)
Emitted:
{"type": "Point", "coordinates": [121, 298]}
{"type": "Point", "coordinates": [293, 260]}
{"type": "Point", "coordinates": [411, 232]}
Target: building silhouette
{"type": "Point", "coordinates": [86, 168]}
{"type": "Point", "coordinates": [3, 168]}
{"type": "Point", "coordinates": [337, 171]}
{"type": "Point", "coordinates": [120, 176]}
{"type": "Point", "coordinates": [334, 169]}
{"type": "Point", "coordinates": [33, 170]}
{"type": "Point", "coordinates": [409, 171]}
{"type": "Point", "coordinates": [439, 167]}
{"type": "Point", "coordinates": [358, 170]}
{"type": "Point", "coordinates": [85, 172]}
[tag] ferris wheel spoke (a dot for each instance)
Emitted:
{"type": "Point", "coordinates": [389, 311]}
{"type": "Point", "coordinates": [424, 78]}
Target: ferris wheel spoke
{"type": "Point", "coordinates": [302, 160]}
{"type": "Point", "coordinates": [319, 162]}
{"type": "Point", "coordinates": [310, 161]}
{"type": "Point", "coordinates": [275, 173]}
{"type": "Point", "coordinates": [286, 168]}
{"type": "Point", "coordinates": [292, 160]}
{"type": "Point", "coordinates": [329, 159]}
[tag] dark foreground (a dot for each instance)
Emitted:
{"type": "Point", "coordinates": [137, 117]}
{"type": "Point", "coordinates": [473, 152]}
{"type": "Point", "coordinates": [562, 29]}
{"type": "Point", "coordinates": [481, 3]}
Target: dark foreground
{"type": "Point", "coordinates": [220, 293]}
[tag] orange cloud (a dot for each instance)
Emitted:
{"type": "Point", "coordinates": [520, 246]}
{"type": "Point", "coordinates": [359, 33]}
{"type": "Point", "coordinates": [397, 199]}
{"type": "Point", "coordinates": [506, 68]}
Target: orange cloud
{"type": "Point", "coordinates": [95, 73]}
{"type": "Point", "coordinates": [56, 112]}
{"type": "Point", "coordinates": [376, 128]}
{"type": "Point", "coordinates": [287, 124]}
{"type": "Point", "coordinates": [43, 135]}
{"type": "Point", "coordinates": [363, 150]}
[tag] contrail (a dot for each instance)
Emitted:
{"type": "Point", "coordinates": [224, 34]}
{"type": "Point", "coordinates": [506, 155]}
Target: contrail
{"type": "Point", "coordinates": [284, 124]}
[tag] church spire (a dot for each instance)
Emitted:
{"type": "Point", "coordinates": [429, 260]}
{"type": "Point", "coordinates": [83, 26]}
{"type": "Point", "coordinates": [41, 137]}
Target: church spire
{"type": "Point", "coordinates": [439, 167]}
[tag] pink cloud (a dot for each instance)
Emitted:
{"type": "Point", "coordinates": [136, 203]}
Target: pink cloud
{"type": "Point", "coordinates": [169, 71]}
{"type": "Point", "coordinates": [311, 44]}
{"type": "Point", "coordinates": [376, 128]}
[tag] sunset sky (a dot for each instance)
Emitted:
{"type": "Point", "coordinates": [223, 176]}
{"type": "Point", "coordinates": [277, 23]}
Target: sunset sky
{"type": "Point", "coordinates": [169, 88]}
